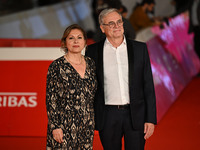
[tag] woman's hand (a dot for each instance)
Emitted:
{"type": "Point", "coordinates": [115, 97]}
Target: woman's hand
{"type": "Point", "coordinates": [58, 135]}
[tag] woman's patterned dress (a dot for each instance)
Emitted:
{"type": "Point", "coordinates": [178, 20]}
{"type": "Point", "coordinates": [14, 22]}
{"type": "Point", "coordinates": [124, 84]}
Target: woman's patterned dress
{"type": "Point", "coordinates": [69, 102]}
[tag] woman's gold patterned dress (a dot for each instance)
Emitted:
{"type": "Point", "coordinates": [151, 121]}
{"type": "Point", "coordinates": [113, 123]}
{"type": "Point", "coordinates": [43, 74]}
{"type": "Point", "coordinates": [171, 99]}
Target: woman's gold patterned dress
{"type": "Point", "coordinates": [69, 102]}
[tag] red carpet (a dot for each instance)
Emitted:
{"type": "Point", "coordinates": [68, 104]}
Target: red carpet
{"type": "Point", "coordinates": [180, 127]}
{"type": "Point", "coordinates": [178, 130]}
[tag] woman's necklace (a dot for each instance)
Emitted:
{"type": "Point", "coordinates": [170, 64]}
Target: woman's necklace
{"type": "Point", "coordinates": [81, 60]}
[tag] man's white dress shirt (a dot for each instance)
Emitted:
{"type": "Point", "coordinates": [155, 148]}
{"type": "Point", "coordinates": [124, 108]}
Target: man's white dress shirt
{"type": "Point", "coordinates": [116, 86]}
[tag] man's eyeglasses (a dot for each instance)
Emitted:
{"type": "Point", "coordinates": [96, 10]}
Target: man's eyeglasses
{"type": "Point", "coordinates": [112, 24]}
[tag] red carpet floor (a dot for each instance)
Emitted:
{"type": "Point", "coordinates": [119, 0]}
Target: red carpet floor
{"type": "Point", "coordinates": [178, 130]}
{"type": "Point", "coordinates": [180, 127]}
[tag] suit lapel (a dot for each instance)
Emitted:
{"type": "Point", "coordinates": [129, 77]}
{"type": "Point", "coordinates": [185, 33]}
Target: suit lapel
{"type": "Point", "coordinates": [130, 50]}
{"type": "Point", "coordinates": [100, 63]}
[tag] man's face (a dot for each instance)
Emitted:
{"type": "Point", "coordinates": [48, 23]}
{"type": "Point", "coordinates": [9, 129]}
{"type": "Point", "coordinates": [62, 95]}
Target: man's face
{"type": "Point", "coordinates": [112, 25]}
{"type": "Point", "coordinates": [150, 7]}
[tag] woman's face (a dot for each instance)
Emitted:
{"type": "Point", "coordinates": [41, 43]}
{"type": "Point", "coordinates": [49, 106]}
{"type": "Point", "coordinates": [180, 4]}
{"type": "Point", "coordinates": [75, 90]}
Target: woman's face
{"type": "Point", "coordinates": [75, 41]}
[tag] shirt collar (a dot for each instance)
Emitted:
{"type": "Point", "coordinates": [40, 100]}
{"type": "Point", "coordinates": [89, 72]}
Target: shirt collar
{"type": "Point", "coordinates": [108, 42]}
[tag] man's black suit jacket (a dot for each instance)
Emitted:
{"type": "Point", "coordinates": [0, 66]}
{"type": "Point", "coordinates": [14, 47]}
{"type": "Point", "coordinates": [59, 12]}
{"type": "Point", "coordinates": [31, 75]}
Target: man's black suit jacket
{"type": "Point", "coordinates": [141, 87]}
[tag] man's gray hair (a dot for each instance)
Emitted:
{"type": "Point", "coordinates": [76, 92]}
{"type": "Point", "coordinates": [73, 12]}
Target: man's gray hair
{"type": "Point", "coordinates": [105, 12]}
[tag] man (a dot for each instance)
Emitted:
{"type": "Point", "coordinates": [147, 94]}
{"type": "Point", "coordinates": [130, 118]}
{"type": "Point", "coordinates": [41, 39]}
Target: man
{"type": "Point", "coordinates": [125, 102]}
{"type": "Point", "coordinates": [141, 18]}
{"type": "Point", "coordinates": [194, 26]}
{"type": "Point", "coordinates": [180, 6]}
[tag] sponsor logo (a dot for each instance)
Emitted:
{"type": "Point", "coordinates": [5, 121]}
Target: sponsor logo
{"type": "Point", "coordinates": [18, 99]}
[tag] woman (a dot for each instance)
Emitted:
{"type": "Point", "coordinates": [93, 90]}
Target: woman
{"type": "Point", "coordinates": [71, 86]}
